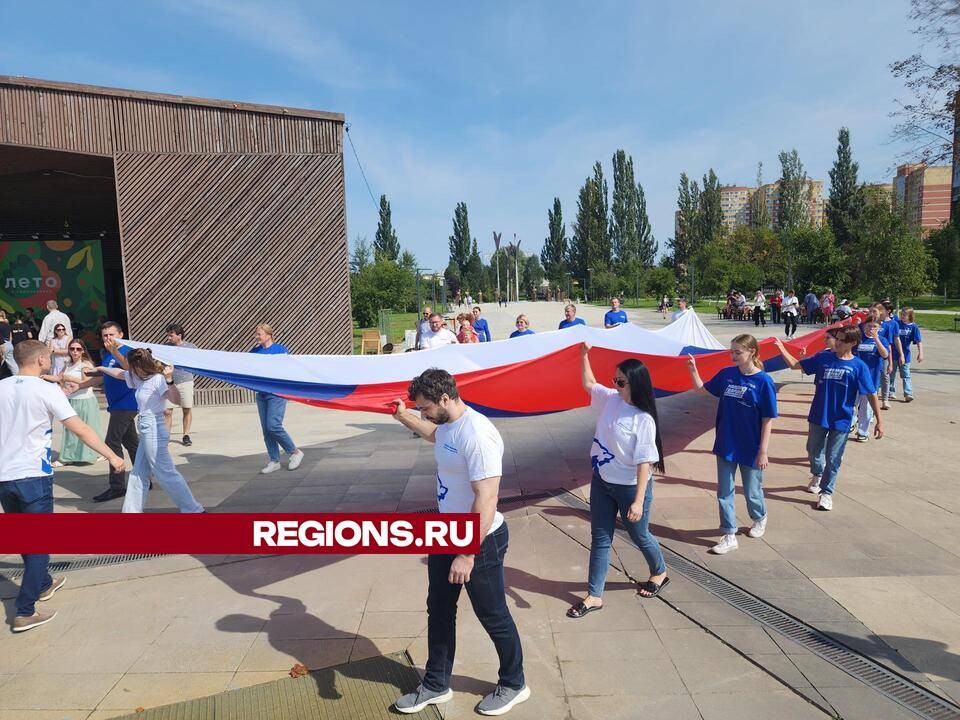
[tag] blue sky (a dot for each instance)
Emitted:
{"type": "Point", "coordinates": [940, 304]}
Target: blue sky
{"type": "Point", "coordinates": [505, 105]}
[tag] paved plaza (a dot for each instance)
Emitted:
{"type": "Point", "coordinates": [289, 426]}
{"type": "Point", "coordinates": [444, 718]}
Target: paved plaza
{"type": "Point", "coordinates": [881, 573]}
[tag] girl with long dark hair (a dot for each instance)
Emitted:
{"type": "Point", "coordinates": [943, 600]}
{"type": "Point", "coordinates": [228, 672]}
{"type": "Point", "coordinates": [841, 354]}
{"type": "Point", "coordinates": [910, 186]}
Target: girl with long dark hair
{"type": "Point", "coordinates": [626, 449]}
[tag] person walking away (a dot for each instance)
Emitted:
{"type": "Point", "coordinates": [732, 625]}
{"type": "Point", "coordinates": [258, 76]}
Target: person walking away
{"type": "Point", "coordinates": [839, 376]}
{"type": "Point", "coordinates": [626, 449]}
{"type": "Point", "coordinates": [874, 354]}
{"type": "Point", "coordinates": [27, 406]}
{"type": "Point", "coordinates": [469, 454]}
{"type": "Point", "coordinates": [272, 408]}
{"type": "Point", "coordinates": [480, 324]}
{"type": "Point", "coordinates": [812, 304]}
{"type": "Point", "coordinates": [745, 412]}
{"type": "Point", "coordinates": [759, 309]}
{"type": "Point", "coordinates": [184, 382]}
{"type": "Point", "coordinates": [909, 334]}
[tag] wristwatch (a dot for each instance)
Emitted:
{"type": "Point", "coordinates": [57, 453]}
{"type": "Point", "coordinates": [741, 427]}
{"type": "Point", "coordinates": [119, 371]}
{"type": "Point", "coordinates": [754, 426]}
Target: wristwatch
{"type": "Point", "coordinates": [169, 382]}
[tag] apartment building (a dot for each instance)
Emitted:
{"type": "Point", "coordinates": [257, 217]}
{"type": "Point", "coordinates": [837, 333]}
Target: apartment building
{"type": "Point", "coordinates": [924, 194]}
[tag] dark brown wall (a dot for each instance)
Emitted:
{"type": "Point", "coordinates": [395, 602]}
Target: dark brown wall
{"type": "Point", "coordinates": [223, 242]}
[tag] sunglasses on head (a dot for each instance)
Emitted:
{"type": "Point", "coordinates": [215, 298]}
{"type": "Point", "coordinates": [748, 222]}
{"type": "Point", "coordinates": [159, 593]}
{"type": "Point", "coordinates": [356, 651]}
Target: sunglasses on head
{"type": "Point", "coordinates": [620, 382]}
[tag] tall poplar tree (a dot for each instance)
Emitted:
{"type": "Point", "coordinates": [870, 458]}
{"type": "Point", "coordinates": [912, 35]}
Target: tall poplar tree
{"type": "Point", "coordinates": [554, 253]}
{"type": "Point", "coordinates": [646, 246]}
{"type": "Point", "coordinates": [845, 201]}
{"type": "Point", "coordinates": [599, 250]}
{"type": "Point", "coordinates": [623, 217]}
{"type": "Point", "coordinates": [759, 212]}
{"type": "Point", "coordinates": [386, 246]}
{"type": "Point", "coordinates": [794, 193]}
{"type": "Point", "coordinates": [688, 221]}
{"type": "Point", "coordinates": [460, 241]}
{"type": "Point", "coordinates": [710, 215]}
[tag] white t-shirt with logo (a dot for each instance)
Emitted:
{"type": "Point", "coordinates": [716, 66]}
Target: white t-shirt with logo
{"type": "Point", "coordinates": [467, 450]}
{"type": "Point", "coordinates": [625, 437]}
{"type": "Point", "coordinates": [27, 405]}
{"type": "Point", "coordinates": [441, 337]}
{"type": "Point", "coordinates": [151, 393]}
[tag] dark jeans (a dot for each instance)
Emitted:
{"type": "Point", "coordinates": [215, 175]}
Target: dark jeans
{"type": "Point", "coordinates": [789, 323]}
{"type": "Point", "coordinates": [775, 314]}
{"type": "Point", "coordinates": [122, 433]}
{"type": "Point", "coordinates": [30, 495]}
{"type": "Point", "coordinates": [759, 317]}
{"type": "Point", "coordinates": [487, 595]}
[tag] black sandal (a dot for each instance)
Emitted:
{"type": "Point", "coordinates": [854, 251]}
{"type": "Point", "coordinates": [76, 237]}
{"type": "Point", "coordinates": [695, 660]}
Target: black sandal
{"type": "Point", "coordinates": [652, 588]}
{"type": "Point", "coordinates": [581, 609]}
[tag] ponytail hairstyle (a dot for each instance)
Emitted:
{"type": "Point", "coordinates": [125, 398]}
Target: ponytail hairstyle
{"type": "Point", "coordinates": [748, 341]}
{"type": "Point", "coordinates": [642, 398]}
{"type": "Point", "coordinates": [142, 362]}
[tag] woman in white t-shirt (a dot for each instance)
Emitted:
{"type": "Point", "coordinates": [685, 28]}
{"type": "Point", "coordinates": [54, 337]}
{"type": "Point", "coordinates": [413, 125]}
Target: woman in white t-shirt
{"type": "Point", "coordinates": [153, 384]}
{"type": "Point", "coordinates": [82, 400]}
{"type": "Point", "coordinates": [790, 308]}
{"type": "Point", "coordinates": [626, 448]}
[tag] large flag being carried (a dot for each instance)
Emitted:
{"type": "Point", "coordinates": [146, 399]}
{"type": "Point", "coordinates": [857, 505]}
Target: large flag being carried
{"type": "Point", "coordinates": [528, 375]}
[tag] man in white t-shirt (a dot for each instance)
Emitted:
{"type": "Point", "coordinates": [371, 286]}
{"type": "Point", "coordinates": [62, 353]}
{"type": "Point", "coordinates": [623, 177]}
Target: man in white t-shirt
{"type": "Point", "coordinates": [469, 452]}
{"type": "Point", "coordinates": [681, 310]}
{"type": "Point", "coordinates": [53, 318]}
{"type": "Point", "coordinates": [27, 404]}
{"type": "Point", "coordinates": [437, 335]}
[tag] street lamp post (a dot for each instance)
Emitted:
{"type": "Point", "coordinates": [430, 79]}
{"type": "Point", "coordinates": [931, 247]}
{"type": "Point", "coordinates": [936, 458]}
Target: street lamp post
{"type": "Point", "coordinates": [496, 243]}
{"type": "Point", "coordinates": [516, 261]}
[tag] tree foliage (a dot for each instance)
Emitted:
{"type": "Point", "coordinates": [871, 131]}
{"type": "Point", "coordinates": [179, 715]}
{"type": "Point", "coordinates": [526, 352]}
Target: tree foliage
{"type": "Point", "coordinates": [360, 257]}
{"type": "Point", "coordinates": [589, 247]}
{"type": "Point", "coordinates": [386, 246]}
{"type": "Point", "coordinates": [461, 241]}
{"type": "Point", "coordinates": [647, 246]}
{"type": "Point", "coordinates": [846, 197]}
{"type": "Point", "coordinates": [709, 212]}
{"type": "Point", "coordinates": [944, 245]}
{"type": "Point", "coordinates": [382, 284]}
{"type": "Point", "coordinates": [684, 242]}
{"type": "Point", "coordinates": [759, 212]}
{"type": "Point", "coordinates": [623, 217]}
{"type": "Point", "coordinates": [554, 253]}
{"type": "Point", "coordinates": [794, 211]}
{"type": "Point", "coordinates": [819, 261]}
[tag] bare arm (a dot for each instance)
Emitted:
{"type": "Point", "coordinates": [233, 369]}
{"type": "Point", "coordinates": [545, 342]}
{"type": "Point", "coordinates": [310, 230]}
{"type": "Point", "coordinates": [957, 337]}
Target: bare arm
{"type": "Point", "coordinates": [791, 361]}
{"type": "Point", "coordinates": [875, 406]}
{"type": "Point", "coordinates": [89, 438]}
{"type": "Point", "coordinates": [635, 512]}
{"type": "Point", "coordinates": [115, 373]}
{"type": "Point", "coordinates": [485, 504]}
{"type": "Point", "coordinates": [919, 352]}
{"type": "Point", "coordinates": [424, 428]}
{"type": "Point", "coordinates": [695, 375]}
{"type": "Point", "coordinates": [899, 345]}
{"type": "Point", "coordinates": [113, 347]}
{"type": "Point", "coordinates": [766, 428]}
{"type": "Point", "coordinates": [586, 372]}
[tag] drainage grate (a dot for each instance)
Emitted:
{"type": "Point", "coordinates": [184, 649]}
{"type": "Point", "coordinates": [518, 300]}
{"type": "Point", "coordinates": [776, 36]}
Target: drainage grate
{"type": "Point", "coordinates": [889, 683]}
{"type": "Point", "coordinates": [80, 564]}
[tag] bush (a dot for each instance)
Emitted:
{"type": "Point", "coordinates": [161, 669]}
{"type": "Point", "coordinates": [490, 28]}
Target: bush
{"type": "Point", "coordinates": [383, 284]}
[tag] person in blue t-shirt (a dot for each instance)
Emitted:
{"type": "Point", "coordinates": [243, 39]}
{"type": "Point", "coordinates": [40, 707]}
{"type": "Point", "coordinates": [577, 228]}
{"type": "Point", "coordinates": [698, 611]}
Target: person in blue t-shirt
{"type": "Point", "coordinates": [523, 327]}
{"type": "Point", "coordinates": [838, 375]}
{"type": "Point", "coordinates": [272, 409]}
{"type": "Point", "coordinates": [874, 352]}
{"type": "Point", "coordinates": [570, 317]}
{"type": "Point", "coordinates": [909, 334]}
{"type": "Point", "coordinates": [480, 325]}
{"type": "Point", "coordinates": [890, 332]}
{"type": "Point", "coordinates": [614, 316]}
{"type": "Point", "coordinates": [745, 413]}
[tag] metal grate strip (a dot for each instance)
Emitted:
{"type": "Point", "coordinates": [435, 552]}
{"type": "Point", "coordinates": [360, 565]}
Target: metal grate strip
{"type": "Point", "coordinates": [81, 563]}
{"type": "Point", "coordinates": [887, 682]}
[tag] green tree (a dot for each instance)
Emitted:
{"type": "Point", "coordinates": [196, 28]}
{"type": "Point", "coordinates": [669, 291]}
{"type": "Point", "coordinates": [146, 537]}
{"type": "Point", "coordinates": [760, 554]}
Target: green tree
{"type": "Point", "coordinates": [891, 257]}
{"type": "Point", "coordinates": [380, 285]}
{"type": "Point", "coordinates": [710, 212]}
{"type": "Point", "coordinates": [460, 241]}
{"type": "Point", "coordinates": [794, 193]}
{"type": "Point", "coordinates": [688, 221]}
{"type": "Point", "coordinates": [554, 253]}
{"type": "Point", "coordinates": [586, 248]}
{"type": "Point", "coordinates": [944, 245]}
{"type": "Point", "coordinates": [473, 275]}
{"type": "Point", "coordinates": [624, 234]}
{"type": "Point", "coordinates": [386, 246]}
{"type": "Point", "coordinates": [599, 251]}
{"type": "Point", "coordinates": [846, 198]}
{"type": "Point", "coordinates": [453, 279]}
{"type": "Point", "coordinates": [361, 254]}
{"type": "Point", "coordinates": [647, 247]}
{"type": "Point", "coordinates": [531, 275]}
{"type": "Point", "coordinates": [820, 261]}
{"type": "Point", "coordinates": [759, 213]}
{"type": "Point", "coordinates": [660, 281]}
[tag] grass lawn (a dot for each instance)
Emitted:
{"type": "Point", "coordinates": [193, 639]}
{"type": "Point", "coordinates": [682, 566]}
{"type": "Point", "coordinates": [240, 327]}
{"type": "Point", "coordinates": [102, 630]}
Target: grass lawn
{"type": "Point", "coordinates": [398, 323]}
{"type": "Point", "coordinates": [931, 321]}
{"type": "Point", "coordinates": [630, 302]}
{"type": "Point", "coordinates": [926, 302]}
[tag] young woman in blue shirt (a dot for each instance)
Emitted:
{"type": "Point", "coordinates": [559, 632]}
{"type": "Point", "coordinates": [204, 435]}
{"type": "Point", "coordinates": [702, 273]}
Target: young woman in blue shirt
{"type": "Point", "coordinates": [745, 413]}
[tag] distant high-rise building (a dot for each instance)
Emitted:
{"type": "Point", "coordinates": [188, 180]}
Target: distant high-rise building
{"type": "Point", "coordinates": [769, 196]}
{"type": "Point", "coordinates": [924, 194]}
{"type": "Point", "coordinates": [735, 203]}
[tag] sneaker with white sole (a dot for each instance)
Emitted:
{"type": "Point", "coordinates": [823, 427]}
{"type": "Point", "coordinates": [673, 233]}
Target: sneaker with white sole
{"type": "Point", "coordinates": [56, 585]}
{"type": "Point", "coordinates": [22, 624]}
{"type": "Point", "coordinates": [814, 485]}
{"type": "Point", "coordinates": [270, 467]}
{"type": "Point", "coordinates": [295, 459]}
{"type": "Point", "coordinates": [726, 544]}
{"type": "Point", "coordinates": [863, 438]}
{"type": "Point", "coordinates": [759, 528]}
{"type": "Point", "coordinates": [825, 502]}
{"type": "Point", "coordinates": [501, 700]}
{"type": "Point", "coordinates": [417, 700]}
{"type": "Point", "coordinates": [884, 405]}
{"type": "Point", "coordinates": [908, 398]}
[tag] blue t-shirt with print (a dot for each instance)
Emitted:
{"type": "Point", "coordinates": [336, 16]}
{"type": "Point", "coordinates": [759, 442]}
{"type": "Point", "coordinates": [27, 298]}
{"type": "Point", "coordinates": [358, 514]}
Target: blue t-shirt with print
{"type": "Point", "coordinates": [564, 324]}
{"type": "Point", "coordinates": [868, 351]}
{"type": "Point", "coordinates": [909, 335]}
{"type": "Point", "coordinates": [890, 329]}
{"type": "Point", "coordinates": [274, 349]}
{"type": "Point", "coordinates": [838, 384]}
{"type": "Point", "coordinates": [518, 333]}
{"type": "Point", "coordinates": [745, 400]}
{"type": "Point", "coordinates": [483, 330]}
{"type": "Point", "coordinates": [119, 395]}
{"type": "Point", "coordinates": [615, 317]}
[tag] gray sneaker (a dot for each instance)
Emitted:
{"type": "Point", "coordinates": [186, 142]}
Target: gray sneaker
{"type": "Point", "coordinates": [501, 700]}
{"type": "Point", "coordinates": [56, 585]}
{"type": "Point", "coordinates": [421, 697]}
{"type": "Point", "coordinates": [22, 624]}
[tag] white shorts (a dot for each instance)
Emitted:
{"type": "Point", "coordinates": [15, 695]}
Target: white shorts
{"type": "Point", "coordinates": [186, 396]}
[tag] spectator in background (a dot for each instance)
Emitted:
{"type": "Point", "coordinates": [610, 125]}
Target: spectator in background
{"type": "Point", "coordinates": [466, 334]}
{"type": "Point", "coordinates": [776, 302]}
{"type": "Point", "coordinates": [759, 309]}
{"type": "Point", "coordinates": [614, 316]}
{"type": "Point", "coordinates": [437, 335]}
{"type": "Point", "coordinates": [480, 325]}
{"type": "Point", "coordinates": [844, 310]}
{"type": "Point", "coordinates": [184, 382]}
{"type": "Point", "coordinates": [54, 317]}
{"type": "Point", "coordinates": [827, 302]}
{"type": "Point", "coordinates": [58, 349]}
{"type": "Point", "coordinates": [790, 308]}
{"type": "Point", "coordinates": [523, 327]}
{"type": "Point", "coordinates": [423, 326]}
{"type": "Point", "coordinates": [680, 311]}
{"type": "Point", "coordinates": [812, 303]}
{"type": "Point", "coordinates": [82, 400]}
{"type": "Point", "coordinates": [570, 317]}
{"type": "Point", "coordinates": [9, 363]}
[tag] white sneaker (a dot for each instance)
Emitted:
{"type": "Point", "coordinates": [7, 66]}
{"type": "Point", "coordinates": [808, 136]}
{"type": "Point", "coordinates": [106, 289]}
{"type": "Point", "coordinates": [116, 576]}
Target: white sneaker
{"type": "Point", "coordinates": [863, 438]}
{"type": "Point", "coordinates": [814, 486]}
{"type": "Point", "coordinates": [270, 467]}
{"type": "Point", "coordinates": [884, 405]}
{"type": "Point", "coordinates": [825, 502]}
{"type": "Point", "coordinates": [726, 544]}
{"type": "Point", "coordinates": [759, 528]}
{"type": "Point", "coordinates": [295, 460]}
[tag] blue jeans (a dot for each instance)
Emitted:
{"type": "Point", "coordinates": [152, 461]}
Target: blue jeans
{"type": "Point", "coordinates": [726, 493]}
{"type": "Point", "coordinates": [272, 409]}
{"type": "Point", "coordinates": [153, 456]}
{"type": "Point", "coordinates": [825, 449]}
{"type": "Point", "coordinates": [904, 371]}
{"type": "Point", "coordinates": [488, 597]}
{"type": "Point", "coordinates": [606, 501]}
{"type": "Point", "coordinates": [30, 495]}
{"type": "Point", "coordinates": [8, 358]}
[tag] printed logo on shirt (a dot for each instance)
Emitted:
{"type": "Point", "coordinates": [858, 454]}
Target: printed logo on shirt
{"type": "Point", "coordinates": [598, 461]}
{"type": "Point", "coordinates": [442, 490]}
{"type": "Point", "coordinates": [867, 347]}
{"type": "Point", "coordinates": [451, 448]}
{"type": "Point", "coordinates": [735, 391]}
{"type": "Point", "coordinates": [835, 373]}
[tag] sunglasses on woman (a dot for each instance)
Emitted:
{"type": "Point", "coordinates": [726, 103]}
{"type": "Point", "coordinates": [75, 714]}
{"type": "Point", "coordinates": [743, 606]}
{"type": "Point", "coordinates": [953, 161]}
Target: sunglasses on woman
{"type": "Point", "coordinates": [620, 382]}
